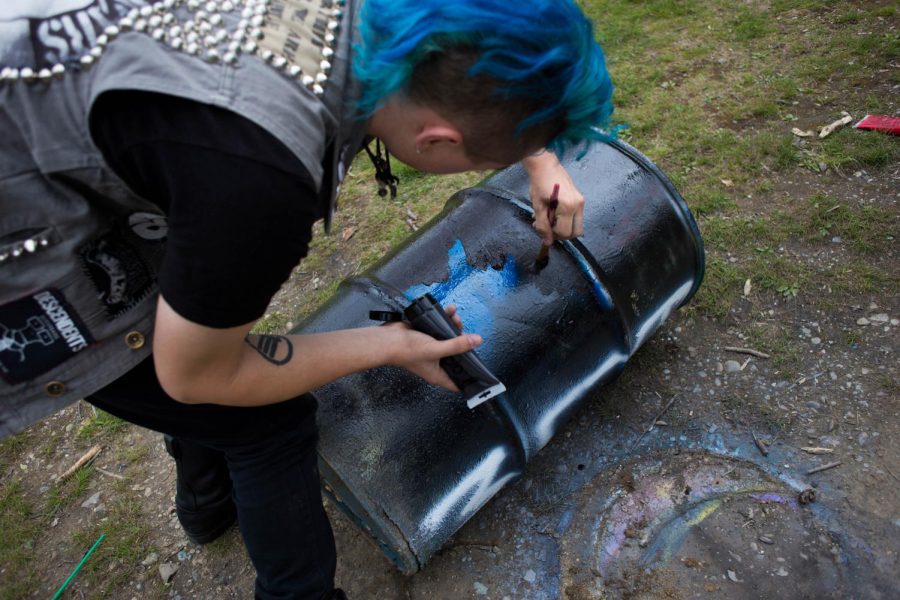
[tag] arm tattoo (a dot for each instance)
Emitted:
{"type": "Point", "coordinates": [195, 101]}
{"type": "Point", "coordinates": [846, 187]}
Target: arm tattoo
{"type": "Point", "coordinates": [276, 349]}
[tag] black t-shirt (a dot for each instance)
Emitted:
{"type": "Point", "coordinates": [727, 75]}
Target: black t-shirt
{"type": "Point", "coordinates": [240, 205]}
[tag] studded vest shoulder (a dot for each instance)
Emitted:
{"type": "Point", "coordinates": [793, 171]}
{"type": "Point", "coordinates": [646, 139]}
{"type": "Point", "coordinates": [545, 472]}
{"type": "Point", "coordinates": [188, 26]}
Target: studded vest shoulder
{"type": "Point", "coordinates": [79, 251]}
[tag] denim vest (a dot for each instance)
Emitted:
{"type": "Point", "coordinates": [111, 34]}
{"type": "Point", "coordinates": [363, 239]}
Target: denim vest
{"type": "Point", "coordinates": [79, 250]}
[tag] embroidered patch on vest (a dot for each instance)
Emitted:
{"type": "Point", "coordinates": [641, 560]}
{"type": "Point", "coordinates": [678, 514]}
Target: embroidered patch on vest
{"type": "Point", "coordinates": [119, 273]}
{"type": "Point", "coordinates": [302, 33]}
{"type": "Point", "coordinates": [37, 333]}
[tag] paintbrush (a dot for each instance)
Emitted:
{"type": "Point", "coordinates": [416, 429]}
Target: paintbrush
{"type": "Point", "coordinates": [543, 258]}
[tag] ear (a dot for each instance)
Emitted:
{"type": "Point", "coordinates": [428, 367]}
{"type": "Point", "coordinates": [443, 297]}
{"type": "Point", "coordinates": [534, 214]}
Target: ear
{"type": "Point", "coordinates": [437, 133]}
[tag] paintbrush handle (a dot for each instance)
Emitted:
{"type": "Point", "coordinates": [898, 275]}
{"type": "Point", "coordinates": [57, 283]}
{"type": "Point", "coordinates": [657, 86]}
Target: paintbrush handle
{"type": "Point", "coordinates": [552, 205]}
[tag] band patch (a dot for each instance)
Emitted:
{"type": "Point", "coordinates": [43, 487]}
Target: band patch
{"type": "Point", "coordinates": [118, 271]}
{"type": "Point", "coordinates": [37, 333]}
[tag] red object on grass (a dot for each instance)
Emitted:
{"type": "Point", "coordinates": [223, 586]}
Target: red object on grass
{"type": "Point", "coordinates": [880, 123]}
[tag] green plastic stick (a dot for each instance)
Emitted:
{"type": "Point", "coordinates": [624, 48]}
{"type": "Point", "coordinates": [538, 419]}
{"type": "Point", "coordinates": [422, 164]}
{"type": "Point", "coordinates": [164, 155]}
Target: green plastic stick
{"type": "Point", "coordinates": [77, 568]}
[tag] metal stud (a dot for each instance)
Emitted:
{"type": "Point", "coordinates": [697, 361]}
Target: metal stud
{"type": "Point", "coordinates": [55, 389]}
{"type": "Point", "coordinates": [176, 43]}
{"type": "Point", "coordinates": [229, 58]}
{"type": "Point", "coordinates": [168, 18]}
{"type": "Point", "coordinates": [17, 251]}
{"type": "Point", "coordinates": [96, 51]}
{"type": "Point", "coordinates": [221, 35]}
{"type": "Point", "coordinates": [318, 90]}
{"type": "Point", "coordinates": [4, 256]}
{"type": "Point", "coordinates": [155, 21]}
{"type": "Point", "coordinates": [211, 7]}
{"type": "Point", "coordinates": [126, 23]}
{"type": "Point", "coordinates": [321, 77]}
{"type": "Point", "coordinates": [329, 38]}
{"type": "Point", "coordinates": [279, 61]}
{"type": "Point", "coordinates": [146, 11]}
{"type": "Point", "coordinates": [102, 39]}
{"type": "Point", "coordinates": [327, 52]}
{"type": "Point", "coordinates": [45, 75]}
{"type": "Point", "coordinates": [250, 47]}
{"type": "Point", "coordinates": [215, 20]}
{"type": "Point", "coordinates": [294, 71]}
{"type": "Point", "coordinates": [307, 80]}
{"type": "Point", "coordinates": [257, 34]}
{"type": "Point", "coordinates": [30, 245]}
{"type": "Point", "coordinates": [333, 25]}
{"type": "Point", "coordinates": [158, 33]}
{"type": "Point", "coordinates": [133, 14]}
{"type": "Point", "coordinates": [212, 55]}
{"type": "Point", "coordinates": [192, 48]}
{"type": "Point", "coordinates": [325, 66]}
{"type": "Point", "coordinates": [175, 31]}
{"type": "Point", "coordinates": [58, 70]}
{"type": "Point", "coordinates": [86, 61]}
{"type": "Point", "coordinates": [192, 37]}
{"type": "Point", "coordinates": [267, 55]}
{"type": "Point", "coordinates": [257, 21]}
{"type": "Point", "coordinates": [111, 31]}
{"type": "Point", "coordinates": [27, 74]}
{"type": "Point", "coordinates": [135, 340]}
{"type": "Point", "coordinates": [140, 25]}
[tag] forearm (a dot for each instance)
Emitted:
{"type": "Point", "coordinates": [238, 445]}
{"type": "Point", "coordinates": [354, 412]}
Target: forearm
{"type": "Point", "coordinates": [197, 364]}
{"type": "Point", "coordinates": [270, 368]}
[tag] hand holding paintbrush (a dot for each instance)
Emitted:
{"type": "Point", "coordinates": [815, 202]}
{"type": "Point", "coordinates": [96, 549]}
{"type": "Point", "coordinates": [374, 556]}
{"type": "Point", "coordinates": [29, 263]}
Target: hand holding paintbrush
{"type": "Point", "coordinates": [543, 258]}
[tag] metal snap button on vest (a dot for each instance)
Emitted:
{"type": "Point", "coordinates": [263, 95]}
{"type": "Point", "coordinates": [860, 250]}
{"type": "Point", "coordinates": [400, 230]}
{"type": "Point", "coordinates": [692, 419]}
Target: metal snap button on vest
{"type": "Point", "coordinates": [55, 389]}
{"type": "Point", "coordinates": [135, 340]}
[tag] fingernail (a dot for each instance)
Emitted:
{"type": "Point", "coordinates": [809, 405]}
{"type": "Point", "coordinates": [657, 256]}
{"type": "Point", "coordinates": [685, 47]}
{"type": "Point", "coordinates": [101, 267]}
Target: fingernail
{"type": "Point", "coordinates": [475, 340]}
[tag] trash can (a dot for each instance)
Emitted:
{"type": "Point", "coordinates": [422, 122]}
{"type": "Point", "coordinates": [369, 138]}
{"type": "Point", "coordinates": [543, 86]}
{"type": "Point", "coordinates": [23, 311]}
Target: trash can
{"type": "Point", "coordinates": [410, 462]}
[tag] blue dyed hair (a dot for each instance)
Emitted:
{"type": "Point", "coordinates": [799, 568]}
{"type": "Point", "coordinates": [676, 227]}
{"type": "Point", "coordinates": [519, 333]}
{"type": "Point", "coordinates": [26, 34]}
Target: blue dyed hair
{"type": "Point", "coordinates": [536, 60]}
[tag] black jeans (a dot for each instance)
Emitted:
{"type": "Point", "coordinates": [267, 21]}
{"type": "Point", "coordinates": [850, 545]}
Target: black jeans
{"type": "Point", "coordinates": [270, 452]}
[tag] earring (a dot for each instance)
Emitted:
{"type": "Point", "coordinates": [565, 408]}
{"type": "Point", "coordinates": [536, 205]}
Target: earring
{"type": "Point", "coordinates": [418, 150]}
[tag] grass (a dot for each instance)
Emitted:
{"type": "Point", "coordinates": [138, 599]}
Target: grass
{"type": "Point", "coordinates": [21, 527]}
{"type": "Point", "coordinates": [127, 542]}
{"type": "Point", "coordinates": [100, 425]}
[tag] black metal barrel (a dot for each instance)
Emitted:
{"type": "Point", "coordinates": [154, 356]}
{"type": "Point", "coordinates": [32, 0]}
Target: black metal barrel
{"type": "Point", "coordinates": [409, 462]}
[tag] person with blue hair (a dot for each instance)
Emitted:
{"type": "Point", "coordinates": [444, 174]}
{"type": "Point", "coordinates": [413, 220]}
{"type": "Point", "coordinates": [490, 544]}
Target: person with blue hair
{"type": "Point", "coordinates": [163, 165]}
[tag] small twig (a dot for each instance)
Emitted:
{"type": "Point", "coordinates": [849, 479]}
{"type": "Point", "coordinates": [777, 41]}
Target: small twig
{"type": "Point", "coordinates": [830, 465]}
{"type": "Point", "coordinates": [653, 422]}
{"type": "Point", "coordinates": [817, 450]}
{"type": "Point", "coordinates": [488, 545]}
{"type": "Point", "coordinates": [755, 353]}
{"type": "Point", "coordinates": [833, 208]}
{"type": "Point", "coordinates": [889, 472]}
{"type": "Point", "coordinates": [108, 474]}
{"type": "Point", "coordinates": [760, 444]}
{"type": "Point", "coordinates": [85, 459]}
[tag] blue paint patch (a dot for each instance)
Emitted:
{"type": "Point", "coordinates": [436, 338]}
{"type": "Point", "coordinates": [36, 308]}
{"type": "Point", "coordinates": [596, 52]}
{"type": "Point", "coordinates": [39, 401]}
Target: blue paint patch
{"type": "Point", "coordinates": [472, 290]}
